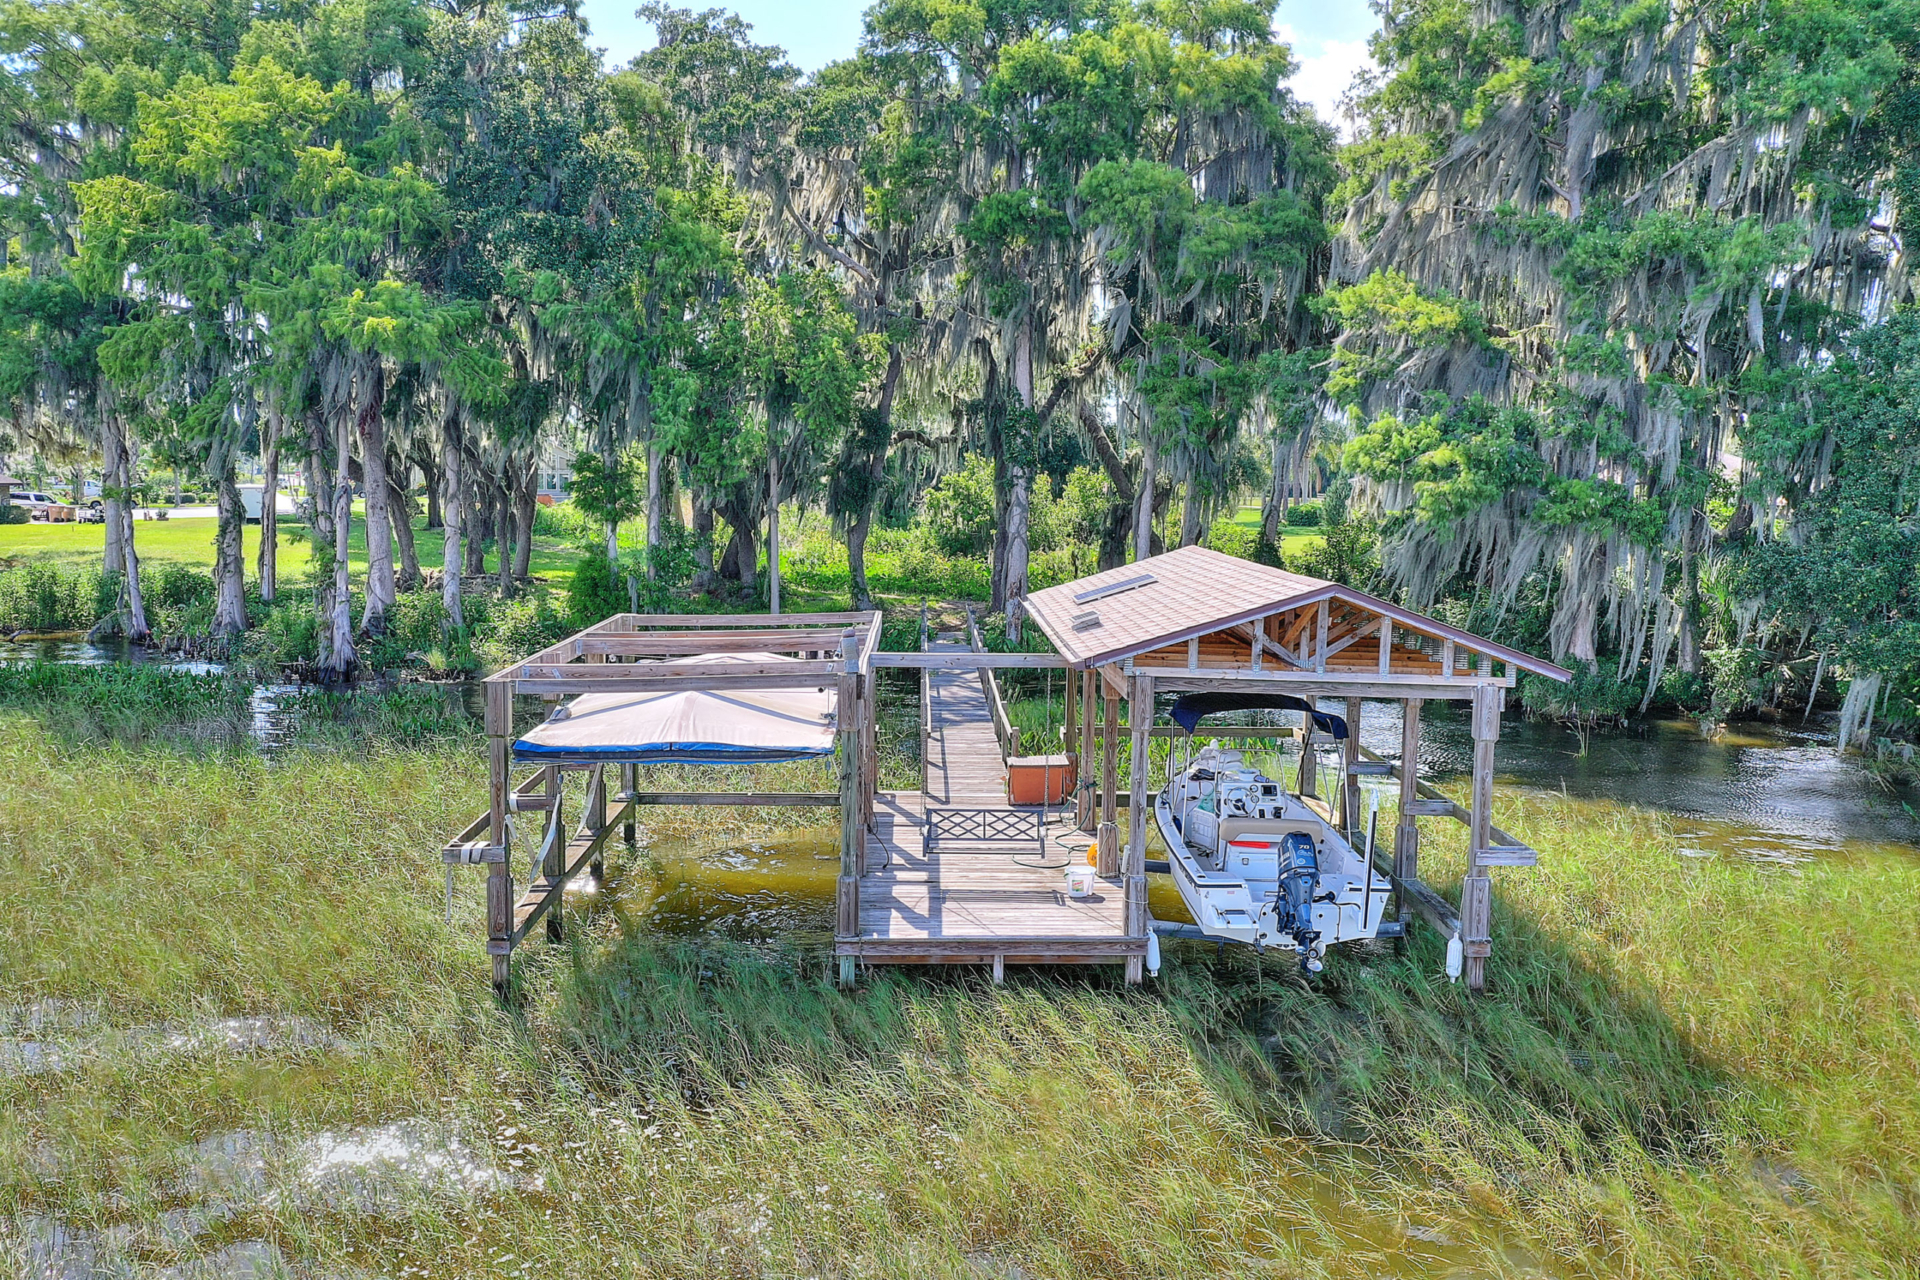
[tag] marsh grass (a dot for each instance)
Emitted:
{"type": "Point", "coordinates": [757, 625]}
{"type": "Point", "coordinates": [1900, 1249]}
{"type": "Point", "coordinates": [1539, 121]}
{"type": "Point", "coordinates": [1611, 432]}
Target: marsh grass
{"type": "Point", "coordinates": [1684, 1066]}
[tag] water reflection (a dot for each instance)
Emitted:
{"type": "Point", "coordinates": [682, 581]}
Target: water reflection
{"type": "Point", "coordinates": [1762, 791]}
{"type": "Point", "coordinates": [755, 891]}
{"type": "Point", "coordinates": [91, 653]}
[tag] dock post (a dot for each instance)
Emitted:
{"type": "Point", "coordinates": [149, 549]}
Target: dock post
{"type": "Point", "coordinates": [1086, 789]}
{"type": "Point", "coordinates": [1140, 719]}
{"type": "Point", "coordinates": [1069, 731]}
{"type": "Point", "coordinates": [499, 723]}
{"type": "Point", "coordinates": [556, 859]}
{"type": "Point", "coordinates": [1350, 790]}
{"type": "Point", "coordinates": [1105, 863]}
{"type": "Point", "coordinates": [1476, 890]}
{"type": "Point", "coordinates": [629, 786]}
{"type": "Point", "coordinates": [852, 831]}
{"type": "Point", "coordinates": [1406, 839]}
{"type": "Point", "coordinates": [1309, 784]}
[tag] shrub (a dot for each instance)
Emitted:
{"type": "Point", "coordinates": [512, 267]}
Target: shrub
{"type": "Point", "coordinates": [14, 513]}
{"type": "Point", "coordinates": [502, 630]}
{"type": "Point", "coordinates": [1734, 681]}
{"type": "Point", "coordinates": [44, 597]}
{"type": "Point", "coordinates": [1684, 689]}
{"type": "Point", "coordinates": [1592, 698]}
{"type": "Point", "coordinates": [290, 633]}
{"type": "Point", "coordinates": [1349, 554]}
{"type": "Point", "coordinates": [1233, 539]}
{"type": "Point", "coordinates": [1304, 515]}
{"type": "Point", "coordinates": [174, 586]}
{"type": "Point", "coordinates": [598, 590]}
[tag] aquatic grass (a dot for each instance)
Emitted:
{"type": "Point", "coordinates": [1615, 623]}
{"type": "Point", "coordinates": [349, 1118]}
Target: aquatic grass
{"type": "Point", "coordinates": [127, 702]}
{"type": "Point", "coordinates": [1670, 1075]}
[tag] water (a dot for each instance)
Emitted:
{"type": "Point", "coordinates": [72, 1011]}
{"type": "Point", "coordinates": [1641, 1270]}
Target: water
{"type": "Point", "coordinates": [1763, 791]}
{"type": "Point", "coordinates": [88, 653]}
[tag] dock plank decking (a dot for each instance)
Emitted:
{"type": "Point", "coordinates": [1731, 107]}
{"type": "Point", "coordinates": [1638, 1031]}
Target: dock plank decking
{"type": "Point", "coordinates": [976, 903]}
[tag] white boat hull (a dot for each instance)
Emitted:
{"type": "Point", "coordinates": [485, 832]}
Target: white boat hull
{"type": "Point", "coordinates": [1348, 898]}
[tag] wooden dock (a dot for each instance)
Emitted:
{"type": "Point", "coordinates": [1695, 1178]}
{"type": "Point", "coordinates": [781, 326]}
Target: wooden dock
{"type": "Point", "coordinates": [964, 764]}
{"type": "Point", "coordinates": [1000, 899]}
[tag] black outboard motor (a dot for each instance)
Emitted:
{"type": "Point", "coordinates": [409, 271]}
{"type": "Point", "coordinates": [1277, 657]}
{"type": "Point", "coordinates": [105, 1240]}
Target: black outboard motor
{"type": "Point", "coordinates": [1299, 879]}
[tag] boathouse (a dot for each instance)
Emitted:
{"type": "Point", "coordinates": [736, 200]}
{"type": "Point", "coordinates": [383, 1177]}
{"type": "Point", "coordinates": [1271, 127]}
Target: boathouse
{"type": "Point", "coordinates": [958, 871]}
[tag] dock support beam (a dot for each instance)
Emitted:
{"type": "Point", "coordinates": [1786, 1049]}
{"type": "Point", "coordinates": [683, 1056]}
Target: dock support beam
{"type": "Point", "coordinates": [1140, 717]}
{"type": "Point", "coordinates": [629, 784]}
{"type": "Point", "coordinates": [1476, 890]}
{"type": "Point", "coordinates": [1350, 788]}
{"type": "Point", "coordinates": [499, 724]}
{"type": "Point", "coordinates": [1406, 839]}
{"type": "Point", "coordinates": [1309, 780]}
{"type": "Point", "coordinates": [1105, 863]}
{"type": "Point", "coordinates": [853, 832]}
{"type": "Point", "coordinates": [1085, 789]}
{"type": "Point", "coordinates": [555, 863]}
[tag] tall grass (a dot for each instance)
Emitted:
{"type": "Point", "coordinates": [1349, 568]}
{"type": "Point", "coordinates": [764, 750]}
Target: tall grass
{"type": "Point", "coordinates": [1682, 1067]}
{"type": "Point", "coordinates": [40, 597]}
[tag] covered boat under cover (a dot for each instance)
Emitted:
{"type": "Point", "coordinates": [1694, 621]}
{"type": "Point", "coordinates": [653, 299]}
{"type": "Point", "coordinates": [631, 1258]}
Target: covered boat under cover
{"type": "Point", "coordinates": [694, 727]}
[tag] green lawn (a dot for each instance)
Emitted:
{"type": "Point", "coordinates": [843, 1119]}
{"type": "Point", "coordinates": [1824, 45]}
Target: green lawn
{"type": "Point", "coordinates": [1294, 541]}
{"type": "Point", "coordinates": [74, 546]}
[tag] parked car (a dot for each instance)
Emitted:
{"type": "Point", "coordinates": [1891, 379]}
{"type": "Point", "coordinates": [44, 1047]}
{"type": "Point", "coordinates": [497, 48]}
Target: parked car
{"type": "Point", "coordinates": [33, 500]}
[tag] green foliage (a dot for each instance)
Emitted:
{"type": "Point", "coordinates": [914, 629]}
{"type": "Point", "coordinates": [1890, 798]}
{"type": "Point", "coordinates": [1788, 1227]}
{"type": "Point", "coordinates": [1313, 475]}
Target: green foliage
{"type": "Point", "coordinates": [45, 597]}
{"type": "Point", "coordinates": [1735, 680]}
{"type": "Point", "coordinates": [1305, 514]}
{"type": "Point", "coordinates": [960, 508]}
{"type": "Point", "coordinates": [608, 492]}
{"type": "Point", "coordinates": [290, 633]}
{"type": "Point", "coordinates": [1592, 698]}
{"type": "Point", "coordinates": [1684, 690]}
{"type": "Point", "coordinates": [1232, 539]}
{"type": "Point", "coordinates": [598, 590]}
{"type": "Point", "coordinates": [127, 701]}
{"type": "Point", "coordinates": [1348, 553]}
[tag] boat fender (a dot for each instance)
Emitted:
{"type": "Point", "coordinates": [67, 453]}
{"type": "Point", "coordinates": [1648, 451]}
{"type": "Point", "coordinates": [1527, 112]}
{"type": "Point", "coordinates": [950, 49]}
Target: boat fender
{"type": "Point", "coordinates": [1456, 957]}
{"type": "Point", "coordinates": [1153, 955]}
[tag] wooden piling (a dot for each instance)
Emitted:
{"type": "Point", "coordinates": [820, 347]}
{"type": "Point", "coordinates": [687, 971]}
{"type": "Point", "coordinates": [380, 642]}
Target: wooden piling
{"type": "Point", "coordinates": [1107, 863]}
{"type": "Point", "coordinates": [852, 830]}
{"type": "Point", "coordinates": [629, 784]}
{"type": "Point", "coordinates": [1140, 718]}
{"type": "Point", "coordinates": [1085, 791]}
{"type": "Point", "coordinates": [1406, 841]}
{"type": "Point", "coordinates": [555, 862]}
{"type": "Point", "coordinates": [1308, 783]}
{"type": "Point", "coordinates": [1350, 814]}
{"type": "Point", "coordinates": [499, 724]}
{"type": "Point", "coordinates": [1476, 890]}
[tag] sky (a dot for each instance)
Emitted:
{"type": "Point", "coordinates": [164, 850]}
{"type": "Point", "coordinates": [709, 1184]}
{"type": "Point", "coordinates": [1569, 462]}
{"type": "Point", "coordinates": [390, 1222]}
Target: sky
{"type": "Point", "coordinates": [1329, 37]}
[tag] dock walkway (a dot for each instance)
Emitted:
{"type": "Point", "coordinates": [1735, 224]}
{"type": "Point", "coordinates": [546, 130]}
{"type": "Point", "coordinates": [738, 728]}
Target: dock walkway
{"type": "Point", "coordinates": [995, 902]}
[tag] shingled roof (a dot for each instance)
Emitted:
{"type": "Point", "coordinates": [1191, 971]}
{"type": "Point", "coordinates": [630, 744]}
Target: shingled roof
{"type": "Point", "coordinates": [1193, 592]}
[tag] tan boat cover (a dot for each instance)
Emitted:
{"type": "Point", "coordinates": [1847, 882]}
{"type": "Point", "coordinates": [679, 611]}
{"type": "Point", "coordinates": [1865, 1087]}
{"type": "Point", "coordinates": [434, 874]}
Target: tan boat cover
{"type": "Point", "coordinates": [696, 727]}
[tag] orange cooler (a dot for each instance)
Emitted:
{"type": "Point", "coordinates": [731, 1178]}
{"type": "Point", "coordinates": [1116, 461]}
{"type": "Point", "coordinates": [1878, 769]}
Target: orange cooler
{"type": "Point", "coordinates": [1039, 780]}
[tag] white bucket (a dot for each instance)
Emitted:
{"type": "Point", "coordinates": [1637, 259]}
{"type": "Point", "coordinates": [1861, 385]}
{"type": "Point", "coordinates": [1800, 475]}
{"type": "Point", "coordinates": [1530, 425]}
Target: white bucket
{"type": "Point", "coordinates": [1079, 880]}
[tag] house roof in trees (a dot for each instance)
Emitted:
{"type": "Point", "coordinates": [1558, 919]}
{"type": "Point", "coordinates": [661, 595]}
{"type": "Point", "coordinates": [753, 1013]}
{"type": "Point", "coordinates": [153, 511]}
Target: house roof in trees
{"type": "Point", "coordinates": [1153, 609]}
